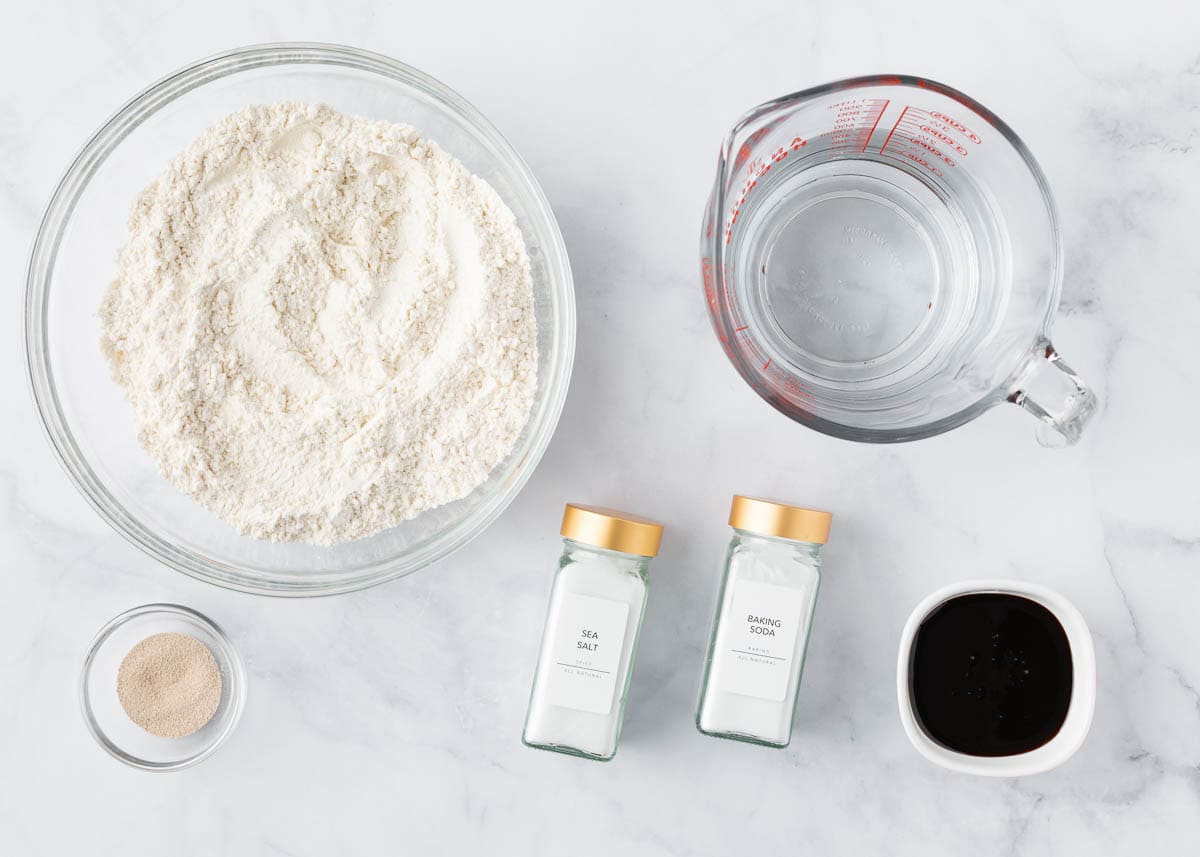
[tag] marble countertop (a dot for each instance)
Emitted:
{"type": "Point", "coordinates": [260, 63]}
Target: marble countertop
{"type": "Point", "coordinates": [390, 720]}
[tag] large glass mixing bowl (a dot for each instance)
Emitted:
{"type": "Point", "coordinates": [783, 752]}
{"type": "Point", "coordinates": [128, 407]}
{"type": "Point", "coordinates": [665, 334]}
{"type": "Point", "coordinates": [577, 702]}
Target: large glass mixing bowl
{"type": "Point", "coordinates": [91, 426]}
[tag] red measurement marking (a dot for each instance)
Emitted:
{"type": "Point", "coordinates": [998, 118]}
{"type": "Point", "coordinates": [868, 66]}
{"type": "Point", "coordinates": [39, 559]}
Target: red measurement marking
{"type": "Point", "coordinates": [953, 123]}
{"type": "Point", "coordinates": [710, 289]}
{"type": "Point", "coordinates": [767, 365]}
{"type": "Point", "coordinates": [893, 131]}
{"type": "Point", "coordinates": [919, 160]}
{"type": "Point", "coordinates": [876, 125]}
{"type": "Point", "coordinates": [755, 170]}
{"type": "Point", "coordinates": [740, 329]}
{"type": "Point", "coordinates": [945, 138]}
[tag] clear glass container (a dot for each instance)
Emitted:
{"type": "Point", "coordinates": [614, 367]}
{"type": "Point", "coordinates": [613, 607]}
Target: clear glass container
{"type": "Point", "coordinates": [84, 412]}
{"type": "Point", "coordinates": [111, 726]}
{"type": "Point", "coordinates": [597, 604]}
{"type": "Point", "coordinates": [882, 262]}
{"type": "Point", "coordinates": [762, 624]}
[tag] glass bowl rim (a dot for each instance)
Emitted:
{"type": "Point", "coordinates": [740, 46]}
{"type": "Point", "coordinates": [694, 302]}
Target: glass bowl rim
{"type": "Point", "coordinates": [237, 683]}
{"type": "Point", "coordinates": [74, 181]}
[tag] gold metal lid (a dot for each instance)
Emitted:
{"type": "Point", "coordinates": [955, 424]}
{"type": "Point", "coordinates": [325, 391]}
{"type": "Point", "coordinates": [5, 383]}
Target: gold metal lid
{"type": "Point", "coordinates": [768, 518]}
{"type": "Point", "coordinates": [611, 530]}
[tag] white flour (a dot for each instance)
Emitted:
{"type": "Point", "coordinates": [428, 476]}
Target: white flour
{"type": "Point", "coordinates": [324, 324]}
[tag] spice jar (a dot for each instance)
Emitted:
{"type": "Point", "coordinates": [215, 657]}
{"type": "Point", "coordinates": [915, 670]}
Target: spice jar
{"type": "Point", "coordinates": [764, 613]}
{"type": "Point", "coordinates": [596, 608]}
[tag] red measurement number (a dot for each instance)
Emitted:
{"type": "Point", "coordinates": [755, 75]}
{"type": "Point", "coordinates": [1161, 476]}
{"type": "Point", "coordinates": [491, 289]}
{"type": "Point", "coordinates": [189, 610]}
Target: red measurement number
{"type": "Point", "coordinates": [957, 126]}
{"type": "Point", "coordinates": [755, 170]}
{"type": "Point", "coordinates": [932, 149]}
{"type": "Point", "coordinates": [945, 138]}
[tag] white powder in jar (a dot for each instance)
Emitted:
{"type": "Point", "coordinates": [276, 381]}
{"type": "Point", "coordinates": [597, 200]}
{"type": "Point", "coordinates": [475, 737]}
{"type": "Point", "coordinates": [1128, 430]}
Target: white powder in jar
{"type": "Point", "coordinates": [606, 578]}
{"type": "Point", "coordinates": [729, 708]}
{"type": "Point", "coordinates": [324, 324]}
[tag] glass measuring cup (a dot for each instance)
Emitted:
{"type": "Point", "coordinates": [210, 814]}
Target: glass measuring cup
{"type": "Point", "coordinates": [882, 261]}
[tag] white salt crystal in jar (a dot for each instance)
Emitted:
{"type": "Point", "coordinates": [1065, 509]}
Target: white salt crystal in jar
{"type": "Point", "coordinates": [596, 608]}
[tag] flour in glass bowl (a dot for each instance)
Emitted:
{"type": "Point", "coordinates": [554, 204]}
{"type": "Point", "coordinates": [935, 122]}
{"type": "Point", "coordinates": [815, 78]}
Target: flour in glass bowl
{"type": "Point", "coordinates": [324, 324]}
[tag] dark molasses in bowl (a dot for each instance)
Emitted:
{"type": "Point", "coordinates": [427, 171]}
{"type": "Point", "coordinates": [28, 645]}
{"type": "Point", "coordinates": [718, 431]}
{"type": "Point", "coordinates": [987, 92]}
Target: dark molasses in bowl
{"type": "Point", "coordinates": [991, 674]}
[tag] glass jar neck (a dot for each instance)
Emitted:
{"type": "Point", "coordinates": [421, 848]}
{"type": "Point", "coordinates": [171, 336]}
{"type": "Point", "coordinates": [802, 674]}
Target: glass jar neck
{"type": "Point", "coordinates": [580, 550]}
{"type": "Point", "coordinates": [811, 549]}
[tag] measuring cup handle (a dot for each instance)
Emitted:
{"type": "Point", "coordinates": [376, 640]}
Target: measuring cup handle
{"type": "Point", "coordinates": [1050, 390]}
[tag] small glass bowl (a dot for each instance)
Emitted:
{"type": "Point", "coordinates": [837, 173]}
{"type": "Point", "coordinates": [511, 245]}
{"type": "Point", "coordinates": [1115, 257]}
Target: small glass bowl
{"type": "Point", "coordinates": [107, 720]}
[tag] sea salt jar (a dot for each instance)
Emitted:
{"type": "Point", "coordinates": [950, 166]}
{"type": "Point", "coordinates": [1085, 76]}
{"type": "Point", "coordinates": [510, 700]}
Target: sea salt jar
{"type": "Point", "coordinates": [764, 613]}
{"type": "Point", "coordinates": [596, 608]}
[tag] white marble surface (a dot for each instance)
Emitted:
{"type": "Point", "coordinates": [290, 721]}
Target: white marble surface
{"type": "Point", "coordinates": [389, 720]}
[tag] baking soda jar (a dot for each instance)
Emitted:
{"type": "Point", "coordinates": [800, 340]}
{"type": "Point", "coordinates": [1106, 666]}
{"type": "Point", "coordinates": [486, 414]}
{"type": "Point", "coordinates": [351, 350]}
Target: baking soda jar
{"type": "Point", "coordinates": [596, 609]}
{"type": "Point", "coordinates": [764, 614]}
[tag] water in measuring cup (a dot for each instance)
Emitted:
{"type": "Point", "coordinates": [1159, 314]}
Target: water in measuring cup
{"type": "Point", "coordinates": [862, 275]}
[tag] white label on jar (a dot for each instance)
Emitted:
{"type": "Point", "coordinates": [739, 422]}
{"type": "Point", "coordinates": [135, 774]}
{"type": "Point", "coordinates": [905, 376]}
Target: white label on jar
{"type": "Point", "coordinates": [585, 650]}
{"type": "Point", "coordinates": [758, 639]}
